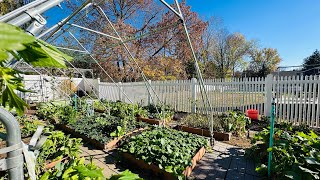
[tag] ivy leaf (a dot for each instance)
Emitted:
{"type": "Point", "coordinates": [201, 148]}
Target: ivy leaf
{"type": "Point", "coordinates": [42, 54]}
{"type": "Point", "coordinates": [13, 38]}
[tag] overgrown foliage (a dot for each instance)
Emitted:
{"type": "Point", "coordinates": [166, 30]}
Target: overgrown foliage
{"type": "Point", "coordinates": [295, 154]}
{"type": "Point", "coordinates": [77, 169]}
{"type": "Point", "coordinates": [159, 111]}
{"type": "Point", "coordinates": [120, 109]}
{"type": "Point", "coordinates": [169, 149]}
{"type": "Point", "coordinates": [232, 121]}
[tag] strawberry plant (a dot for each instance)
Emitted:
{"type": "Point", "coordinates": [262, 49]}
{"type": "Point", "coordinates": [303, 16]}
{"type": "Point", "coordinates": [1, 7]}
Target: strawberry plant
{"type": "Point", "coordinates": [169, 149]}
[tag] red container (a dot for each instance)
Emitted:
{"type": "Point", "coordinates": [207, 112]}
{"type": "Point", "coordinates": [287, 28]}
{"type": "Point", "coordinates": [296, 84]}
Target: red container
{"type": "Point", "coordinates": [253, 114]}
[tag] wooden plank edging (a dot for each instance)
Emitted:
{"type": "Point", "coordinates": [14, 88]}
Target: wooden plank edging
{"type": "Point", "coordinates": [156, 170]}
{"type": "Point", "coordinates": [204, 132]}
{"type": "Point", "coordinates": [104, 146]}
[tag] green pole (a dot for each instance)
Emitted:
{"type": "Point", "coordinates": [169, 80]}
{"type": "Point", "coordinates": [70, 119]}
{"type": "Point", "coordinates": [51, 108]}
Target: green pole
{"type": "Point", "coordinates": [271, 136]}
{"type": "Point", "coordinates": [75, 100]}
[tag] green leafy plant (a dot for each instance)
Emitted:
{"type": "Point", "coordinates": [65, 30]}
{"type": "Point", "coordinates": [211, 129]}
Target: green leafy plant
{"type": "Point", "coordinates": [57, 146]}
{"type": "Point", "coordinates": [77, 169]}
{"type": "Point", "coordinates": [125, 175]}
{"type": "Point", "coordinates": [118, 132]}
{"type": "Point", "coordinates": [104, 127]}
{"type": "Point", "coordinates": [232, 121]}
{"type": "Point", "coordinates": [296, 154]}
{"type": "Point", "coordinates": [164, 111]}
{"type": "Point", "coordinates": [169, 149]}
{"type": "Point", "coordinates": [74, 169]}
{"type": "Point", "coordinates": [67, 115]}
{"type": "Point", "coordinates": [14, 42]}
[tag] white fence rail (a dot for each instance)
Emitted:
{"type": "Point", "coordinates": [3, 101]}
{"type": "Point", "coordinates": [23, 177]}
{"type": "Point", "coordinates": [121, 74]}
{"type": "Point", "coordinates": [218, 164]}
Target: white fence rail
{"type": "Point", "coordinates": [296, 98]}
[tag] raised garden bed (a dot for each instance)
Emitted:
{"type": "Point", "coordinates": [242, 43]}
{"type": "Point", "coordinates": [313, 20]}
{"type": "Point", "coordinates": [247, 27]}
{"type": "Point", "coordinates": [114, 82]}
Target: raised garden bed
{"type": "Point", "coordinates": [104, 146]}
{"type": "Point", "coordinates": [220, 136]}
{"type": "Point", "coordinates": [100, 110]}
{"type": "Point", "coordinates": [129, 158]}
{"type": "Point", "coordinates": [166, 152]}
{"type": "Point", "coordinates": [30, 112]}
{"type": "Point", "coordinates": [151, 121]}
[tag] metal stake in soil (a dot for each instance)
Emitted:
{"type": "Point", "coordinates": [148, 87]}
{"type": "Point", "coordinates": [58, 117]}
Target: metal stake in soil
{"type": "Point", "coordinates": [271, 135]}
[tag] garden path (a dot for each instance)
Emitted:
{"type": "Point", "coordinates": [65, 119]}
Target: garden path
{"type": "Point", "coordinates": [225, 162]}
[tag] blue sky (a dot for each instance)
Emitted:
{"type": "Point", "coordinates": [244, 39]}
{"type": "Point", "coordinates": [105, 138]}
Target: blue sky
{"type": "Point", "coordinates": [291, 26]}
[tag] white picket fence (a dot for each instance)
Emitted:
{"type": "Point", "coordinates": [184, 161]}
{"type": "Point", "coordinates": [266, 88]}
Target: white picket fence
{"type": "Point", "coordinates": [296, 98]}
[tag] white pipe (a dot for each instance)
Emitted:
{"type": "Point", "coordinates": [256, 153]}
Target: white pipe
{"type": "Point", "coordinates": [20, 10]}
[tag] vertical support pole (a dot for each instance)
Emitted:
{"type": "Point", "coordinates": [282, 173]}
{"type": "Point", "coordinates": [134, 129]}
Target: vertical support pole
{"type": "Point", "coordinates": [149, 94]}
{"type": "Point", "coordinates": [120, 91]}
{"type": "Point", "coordinates": [193, 95]}
{"type": "Point", "coordinates": [272, 112]}
{"type": "Point", "coordinates": [13, 137]}
{"type": "Point", "coordinates": [268, 95]}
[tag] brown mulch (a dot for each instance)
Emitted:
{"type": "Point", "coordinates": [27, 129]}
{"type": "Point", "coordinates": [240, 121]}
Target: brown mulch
{"type": "Point", "coordinates": [242, 142]}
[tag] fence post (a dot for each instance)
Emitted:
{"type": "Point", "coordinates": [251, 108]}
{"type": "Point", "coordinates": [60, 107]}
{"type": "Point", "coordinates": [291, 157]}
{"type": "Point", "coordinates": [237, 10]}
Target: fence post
{"type": "Point", "coordinates": [120, 91]}
{"type": "Point", "coordinates": [268, 95]}
{"type": "Point", "coordinates": [149, 94]}
{"type": "Point", "coordinates": [98, 88]}
{"type": "Point", "coordinates": [193, 95]}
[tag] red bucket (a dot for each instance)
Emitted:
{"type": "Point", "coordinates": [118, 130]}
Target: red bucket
{"type": "Point", "coordinates": [253, 114]}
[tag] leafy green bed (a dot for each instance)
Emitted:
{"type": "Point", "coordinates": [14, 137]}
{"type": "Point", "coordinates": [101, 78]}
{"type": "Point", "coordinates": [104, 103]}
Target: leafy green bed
{"type": "Point", "coordinates": [233, 121]}
{"type": "Point", "coordinates": [119, 109]}
{"type": "Point", "coordinates": [104, 128]}
{"type": "Point", "coordinates": [169, 149]}
{"type": "Point", "coordinates": [296, 153]}
{"type": "Point", "coordinates": [100, 127]}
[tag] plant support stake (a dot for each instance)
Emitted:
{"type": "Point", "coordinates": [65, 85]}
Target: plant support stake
{"type": "Point", "coordinates": [271, 136]}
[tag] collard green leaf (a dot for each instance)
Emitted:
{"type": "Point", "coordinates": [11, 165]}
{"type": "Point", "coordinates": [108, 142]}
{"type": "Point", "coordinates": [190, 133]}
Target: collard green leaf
{"type": "Point", "coordinates": [13, 38]}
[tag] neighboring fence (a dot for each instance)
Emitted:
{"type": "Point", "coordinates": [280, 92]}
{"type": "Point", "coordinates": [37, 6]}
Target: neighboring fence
{"type": "Point", "coordinates": [296, 98]}
{"type": "Point", "coordinates": [46, 88]}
